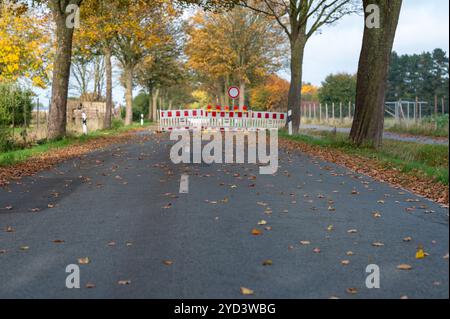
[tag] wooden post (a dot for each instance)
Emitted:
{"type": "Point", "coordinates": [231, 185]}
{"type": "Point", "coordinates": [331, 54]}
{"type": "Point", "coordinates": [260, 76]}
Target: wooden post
{"type": "Point", "coordinates": [320, 112]}
{"type": "Point", "coordinates": [340, 112]}
{"type": "Point", "coordinates": [37, 115]}
{"type": "Point", "coordinates": [416, 108]}
{"type": "Point", "coordinates": [315, 111]}
{"type": "Point", "coordinates": [435, 105]}
{"type": "Point", "coordinates": [326, 112]}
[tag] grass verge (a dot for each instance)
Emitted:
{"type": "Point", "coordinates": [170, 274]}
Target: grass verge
{"type": "Point", "coordinates": [18, 156]}
{"type": "Point", "coordinates": [410, 158]}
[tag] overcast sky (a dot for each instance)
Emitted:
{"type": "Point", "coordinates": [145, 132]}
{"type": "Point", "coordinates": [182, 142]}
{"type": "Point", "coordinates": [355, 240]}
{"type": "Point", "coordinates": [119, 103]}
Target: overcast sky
{"type": "Point", "coordinates": [423, 26]}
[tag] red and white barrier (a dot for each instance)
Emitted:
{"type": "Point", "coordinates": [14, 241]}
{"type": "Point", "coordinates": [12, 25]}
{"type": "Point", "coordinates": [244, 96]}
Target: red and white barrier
{"type": "Point", "coordinates": [218, 119]}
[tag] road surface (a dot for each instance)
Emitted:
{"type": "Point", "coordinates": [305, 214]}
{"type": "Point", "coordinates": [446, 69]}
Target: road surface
{"type": "Point", "coordinates": [122, 209]}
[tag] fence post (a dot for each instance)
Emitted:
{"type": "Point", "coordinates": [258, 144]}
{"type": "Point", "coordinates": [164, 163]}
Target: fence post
{"type": "Point", "coordinates": [340, 112]}
{"type": "Point", "coordinates": [350, 110]}
{"type": "Point", "coordinates": [320, 112]}
{"type": "Point", "coordinates": [84, 123]}
{"type": "Point", "coordinates": [326, 112]}
{"type": "Point", "coordinates": [142, 119]}
{"type": "Point", "coordinates": [290, 122]}
{"type": "Point", "coordinates": [315, 111]}
{"type": "Point", "coordinates": [443, 106]}
{"type": "Point", "coordinates": [332, 111]}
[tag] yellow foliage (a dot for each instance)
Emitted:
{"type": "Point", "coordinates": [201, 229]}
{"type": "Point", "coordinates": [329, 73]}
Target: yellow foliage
{"type": "Point", "coordinates": [24, 45]}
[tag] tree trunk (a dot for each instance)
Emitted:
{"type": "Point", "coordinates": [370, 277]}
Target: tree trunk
{"type": "Point", "coordinates": [109, 103]}
{"type": "Point", "coordinates": [61, 74]}
{"type": "Point", "coordinates": [294, 99]}
{"type": "Point", "coordinates": [155, 97]}
{"type": "Point", "coordinates": [373, 68]}
{"type": "Point", "coordinates": [242, 94]}
{"type": "Point", "coordinates": [129, 95]}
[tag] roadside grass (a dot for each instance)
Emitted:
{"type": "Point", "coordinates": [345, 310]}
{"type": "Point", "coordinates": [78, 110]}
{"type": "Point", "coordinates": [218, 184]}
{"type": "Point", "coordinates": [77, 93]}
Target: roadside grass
{"type": "Point", "coordinates": [20, 155]}
{"type": "Point", "coordinates": [419, 129]}
{"type": "Point", "coordinates": [411, 158]}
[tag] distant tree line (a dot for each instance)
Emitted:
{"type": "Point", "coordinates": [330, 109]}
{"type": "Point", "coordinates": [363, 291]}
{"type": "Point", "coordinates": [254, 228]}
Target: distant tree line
{"type": "Point", "coordinates": [419, 75]}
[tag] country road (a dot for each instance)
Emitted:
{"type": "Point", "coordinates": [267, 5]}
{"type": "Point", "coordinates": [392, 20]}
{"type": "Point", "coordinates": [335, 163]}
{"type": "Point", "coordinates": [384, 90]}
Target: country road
{"type": "Point", "coordinates": [319, 224]}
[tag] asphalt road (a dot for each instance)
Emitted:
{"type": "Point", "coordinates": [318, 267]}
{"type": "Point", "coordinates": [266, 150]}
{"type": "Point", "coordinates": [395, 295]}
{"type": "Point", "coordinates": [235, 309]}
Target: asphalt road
{"type": "Point", "coordinates": [121, 208]}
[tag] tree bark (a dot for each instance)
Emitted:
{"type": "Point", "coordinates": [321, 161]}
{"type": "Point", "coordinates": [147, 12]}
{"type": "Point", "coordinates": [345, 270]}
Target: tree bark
{"type": "Point", "coordinates": [129, 95]}
{"type": "Point", "coordinates": [109, 103]}
{"type": "Point", "coordinates": [61, 73]}
{"type": "Point", "coordinates": [373, 68]}
{"type": "Point", "coordinates": [155, 97]}
{"type": "Point", "coordinates": [294, 99]}
{"type": "Point", "coordinates": [242, 94]}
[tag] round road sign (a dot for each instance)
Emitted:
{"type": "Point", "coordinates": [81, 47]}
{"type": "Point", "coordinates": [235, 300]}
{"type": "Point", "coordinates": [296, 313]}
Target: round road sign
{"type": "Point", "coordinates": [233, 92]}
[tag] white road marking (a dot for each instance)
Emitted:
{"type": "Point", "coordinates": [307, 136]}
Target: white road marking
{"type": "Point", "coordinates": [184, 184]}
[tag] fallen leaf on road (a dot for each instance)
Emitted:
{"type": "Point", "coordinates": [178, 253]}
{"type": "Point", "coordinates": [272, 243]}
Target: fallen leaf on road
{"type": "Point", "coordinates": [352, 231]}
{"type": "Point", "coordinates": [407, 239]}
{"type": "Point", "coordinates": [261, 204]}
{"type": "Point", "coordinates": [35, 210]}
{"type": "Point", "coordinates": [376, 214]}
{"type": "Point", "coordinates": [58, 241]}
{"type": "Point", "coordinates": [445, 257]}
{"type": "Point", "coordinates": [352, 291]}
{"type": "Point", "coordinates": [9, 229]}
{"type": "Point", "coordinates": [124, 282]}
{"type": "Point", "coordinates": [168, 262]}
{"type": "Point", "coordinates": [83, 260]}
{"type": "Point", "coordinates": [90, 285]}
{"type": "Point", "coordinates": [331, 208]}
{"type": "Point", "coordinates": [51, 205]}
{"type": "Point", "coordinates": [9, 207]}
{"type": "Point", "coordinates": [167, 206]}
{"type": "Point", "coordinates": [112, 243]}
{"type": "Point", "coordinates": [404, 267]}
{"type": "Point", "coordinates": [316, 250]}
{"type": "Point", "coordinates": [349, 253]}
{"type": "Point", "coordinates": [2, 251]}
{"type": "Point", "coordinates": [262, 222]}
{"type": "Point", "coordinates": [378, 244]}
{"type": "Point", "coordinates": [256, 232]}
{"type": "Point", "coordinates": [24, 248]}
{"type": "Point", "coordinates": [345, 262]}
{"type": "Point", "coordinates": [330, 228]}
{"type": "Point", "coordinates": [305, 242]}
{"type": "Point", "coordinates": [267, 262]}
{"type": "Point", "coordinates": [246, 291]}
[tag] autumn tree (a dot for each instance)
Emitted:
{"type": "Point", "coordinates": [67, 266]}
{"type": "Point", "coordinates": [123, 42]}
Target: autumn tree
{"type": "Point", "coordinates": [161, 68]}
{"type": "Point", "coordinates": [101, 21]}
{"type": "Point", "coordinates": [300, 20]}
{"type": "Point", "coordinates": [25, 49]}
{"type": "Point", "coordinates": [373, 68]}
{"type": "Point", "coordinates": [65, 18]}
{"type": "Point", "coordinates": [141, 28]}
{"type": "Point", "coordinates": [236, 46]}
{"type": "Point", "coordinates": [272, 95]}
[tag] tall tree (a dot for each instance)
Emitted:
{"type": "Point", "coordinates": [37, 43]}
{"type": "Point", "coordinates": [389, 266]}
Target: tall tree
{"type": "Point", "coordinates": [373, 68]}
{"type": "Point", "coordinates": [63, 16]}
{"type": "Point", "coordinates": [241, 47]}
{"type": "Point", "coordinates": [300, 19]}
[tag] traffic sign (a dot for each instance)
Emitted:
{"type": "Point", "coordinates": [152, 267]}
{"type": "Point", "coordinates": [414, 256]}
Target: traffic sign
{"type": "Point", "coordinates": [234, 92]}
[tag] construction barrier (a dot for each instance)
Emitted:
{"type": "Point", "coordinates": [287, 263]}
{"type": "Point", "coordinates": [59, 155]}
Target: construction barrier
{"type": "Point", "coordinates": [220, 119]}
